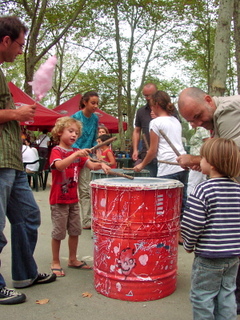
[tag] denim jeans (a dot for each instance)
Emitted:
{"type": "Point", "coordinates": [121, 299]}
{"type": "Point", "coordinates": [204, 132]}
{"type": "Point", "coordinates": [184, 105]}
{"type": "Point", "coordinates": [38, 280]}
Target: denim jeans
{"type": "Point", "coordinates": [181, 176]}
{"type": "Point", "coordinates": [152, 167]}
{"type": "Point", "coordinates": [18, 204]}
{"type": "Point", "coordinates": [213, 288]}
{"type": "Point", "coordinates": [237, 292]}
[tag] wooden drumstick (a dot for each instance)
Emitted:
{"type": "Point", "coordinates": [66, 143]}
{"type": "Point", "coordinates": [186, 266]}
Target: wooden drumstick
{"type": "Point", "coordinates": [114, 173]}
{"type": "Point", "coordinates": [103, 144]}
{"type": "Point", "coordinates": [170, 143]}
{"type": "Point", "coordinates": [169, 162]}
{"type": "Point", "coordinates": [99, 161]}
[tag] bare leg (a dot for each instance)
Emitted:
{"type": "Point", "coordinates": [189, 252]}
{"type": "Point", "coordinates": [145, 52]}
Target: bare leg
{"type": "Point", "coordinates": [73, 261]}
{"type": "Point", "coordinates": [73, 244]}
{"type": "Point", "coordinates": [55, 253]}
{"type": "Point", "coordinates": [56, 266]}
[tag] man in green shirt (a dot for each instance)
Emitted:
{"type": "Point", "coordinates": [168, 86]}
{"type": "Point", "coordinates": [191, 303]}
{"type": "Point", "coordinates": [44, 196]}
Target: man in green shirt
{"type": "Point", "coordinates": [16, 198]}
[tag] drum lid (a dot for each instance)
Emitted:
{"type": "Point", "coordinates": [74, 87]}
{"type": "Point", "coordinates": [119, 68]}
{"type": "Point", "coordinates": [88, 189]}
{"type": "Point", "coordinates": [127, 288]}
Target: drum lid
{"type": "Point", "coordinates": [143, 183]}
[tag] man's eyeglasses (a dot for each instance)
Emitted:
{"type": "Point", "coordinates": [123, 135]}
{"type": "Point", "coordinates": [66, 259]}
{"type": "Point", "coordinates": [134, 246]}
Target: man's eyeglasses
{"type": "Point", "coordinates": [20, 45]}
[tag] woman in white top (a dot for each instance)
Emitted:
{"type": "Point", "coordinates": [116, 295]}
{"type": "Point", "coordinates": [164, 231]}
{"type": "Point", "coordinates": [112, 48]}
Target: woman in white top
{"type": "Point", "coordinates": [43, 144]}
{"type": "Point", "coordinates": [163, 108]}
{"type": "Point", "coordinates": [30, 155]}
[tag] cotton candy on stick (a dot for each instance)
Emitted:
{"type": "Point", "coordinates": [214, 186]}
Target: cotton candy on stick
{"type": "Point", "coordinates": [42, 79]}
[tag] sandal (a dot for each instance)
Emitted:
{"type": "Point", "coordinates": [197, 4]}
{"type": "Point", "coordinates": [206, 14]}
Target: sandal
{"type": "Point", "coordinates": [83, 266]}
{"type": "Point", "coordinates": [59, 272]}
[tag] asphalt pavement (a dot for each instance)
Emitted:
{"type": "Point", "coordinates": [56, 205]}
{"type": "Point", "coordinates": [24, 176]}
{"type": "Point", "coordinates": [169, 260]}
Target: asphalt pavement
{"type": "Point", "coordinates": [65, 295]}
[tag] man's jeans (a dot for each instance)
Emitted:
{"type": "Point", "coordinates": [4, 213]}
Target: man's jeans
{"type": "Point", "coordinates": [181, 176]}
{"type": "Point", "coordinates": [152, 167]}
{"type": "Point", "coordinates": [18, 204]}
{"type": "Point", "coordinates": [213, 286]}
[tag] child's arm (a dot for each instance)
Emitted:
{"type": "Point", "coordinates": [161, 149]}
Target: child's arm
{"type": "Point", "coordinates": [193, 222]}
{"type": "Point", "coordinates": [97, 166]}
{"type": "Point", "coordinates": [99, 154]}
{"type": "Point", "coordinates": [63, 164]}
{"type": "Point", "coordinates": [112, 160]}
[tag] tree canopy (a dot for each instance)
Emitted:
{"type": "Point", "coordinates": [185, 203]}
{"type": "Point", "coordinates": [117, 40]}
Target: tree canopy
{"type": "Point", "coordinates": [116, 46]}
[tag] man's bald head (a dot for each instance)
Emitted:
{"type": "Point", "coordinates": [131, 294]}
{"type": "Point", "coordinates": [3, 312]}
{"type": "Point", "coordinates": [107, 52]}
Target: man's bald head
{"type": "Point", "coordinates": [148, 90]}
{"type": "Point", "coordinates": [197, 107]}
{"type": "Point", "coordinates": [194, 93]}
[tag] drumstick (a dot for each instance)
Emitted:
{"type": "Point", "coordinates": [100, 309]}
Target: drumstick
{"type": "Point", "coordinates": [99, 161]}
{"type": "Point", "coordinates": [170, 143]}
{"type": "Point", "coordinates": [108, 141]}
{"type": "Point", "coordinates": [114, 173]}
{"type": "Point", "coordinates": [169, 162]}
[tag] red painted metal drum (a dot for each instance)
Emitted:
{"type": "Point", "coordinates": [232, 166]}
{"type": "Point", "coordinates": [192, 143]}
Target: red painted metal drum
{"type": "Point", "coordinates": [136, 224]}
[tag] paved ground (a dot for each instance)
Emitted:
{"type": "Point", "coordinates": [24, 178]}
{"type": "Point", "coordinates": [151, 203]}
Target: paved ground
{"type": "Point", "coordinates": [66, 301]}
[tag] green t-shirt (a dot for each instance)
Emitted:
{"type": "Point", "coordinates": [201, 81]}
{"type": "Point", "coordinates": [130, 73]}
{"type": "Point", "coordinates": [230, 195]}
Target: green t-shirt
{"type": "Point", "coordinates": [10, 132]}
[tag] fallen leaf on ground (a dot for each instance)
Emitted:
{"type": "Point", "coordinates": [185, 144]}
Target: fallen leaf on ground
{"type": "Point", "coordinates": [42, 301]}
{"type": "Point", "coordinates": [86, 295]}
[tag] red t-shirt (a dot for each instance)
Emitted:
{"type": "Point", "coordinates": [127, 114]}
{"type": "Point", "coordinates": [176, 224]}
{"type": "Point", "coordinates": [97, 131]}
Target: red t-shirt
{"type": "Point", "coordinates": [65, 183]}
{"type": "Point", "coordinates": [104, 156]}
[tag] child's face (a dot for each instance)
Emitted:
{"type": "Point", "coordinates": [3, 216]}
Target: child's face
{"type": "Point", "coordinates": [69, 135]}
{"type": "Point", "coordinates": [92, 104]}
{"type": "Point", "coordinates": [101, 131]}
{"type": "Point", "coordinates": [205, 166]}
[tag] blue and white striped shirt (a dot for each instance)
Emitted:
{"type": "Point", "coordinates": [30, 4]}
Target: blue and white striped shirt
{"type": "Point", "coordinates": [211, 220]}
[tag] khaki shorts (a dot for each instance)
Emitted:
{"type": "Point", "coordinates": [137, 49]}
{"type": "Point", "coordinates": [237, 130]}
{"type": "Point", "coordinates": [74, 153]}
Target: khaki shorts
{"type": "Point", "coordinates": [65, 217]}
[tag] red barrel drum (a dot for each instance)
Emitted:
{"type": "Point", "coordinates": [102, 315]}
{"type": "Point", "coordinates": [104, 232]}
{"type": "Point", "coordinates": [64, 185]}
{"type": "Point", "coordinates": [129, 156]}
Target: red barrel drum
{"type": "Point", "coordinates": [136, 224]}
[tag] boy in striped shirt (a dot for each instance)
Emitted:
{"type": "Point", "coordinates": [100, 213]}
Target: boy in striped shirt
{"type": "Point", "coordinates": [210, 227]}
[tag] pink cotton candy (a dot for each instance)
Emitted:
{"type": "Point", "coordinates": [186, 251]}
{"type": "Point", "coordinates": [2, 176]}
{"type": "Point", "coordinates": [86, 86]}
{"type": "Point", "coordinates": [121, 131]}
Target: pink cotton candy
{"type": "Point", "coordinates": [42, 79]}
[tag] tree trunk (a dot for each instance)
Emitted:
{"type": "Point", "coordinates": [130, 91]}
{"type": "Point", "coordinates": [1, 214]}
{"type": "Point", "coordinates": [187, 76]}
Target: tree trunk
{"type": "Point", "coordinates": [120, 78]}
{"type": "Point", "coordinates": [222, 48]}
{"type": "Point", "coordinates": [236, 18]}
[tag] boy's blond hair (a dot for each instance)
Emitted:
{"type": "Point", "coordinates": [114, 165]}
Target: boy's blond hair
{"type": "Point", "coordinates": [63, 123]}
{"type": "Point", "coordinates": [223, 155]}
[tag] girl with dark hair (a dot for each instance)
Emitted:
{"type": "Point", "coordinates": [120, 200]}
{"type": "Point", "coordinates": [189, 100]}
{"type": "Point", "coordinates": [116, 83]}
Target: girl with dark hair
{"type": "Point", "coordinates": [164, 109]}
{"type": "Point", "coordinates": [88, 106]}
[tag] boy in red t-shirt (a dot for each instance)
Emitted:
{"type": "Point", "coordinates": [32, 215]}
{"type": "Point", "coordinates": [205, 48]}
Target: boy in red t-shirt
{"type": "Point", "coordinates": [106, 153]}
{"type": "Point", "coordinates": [66, 163]}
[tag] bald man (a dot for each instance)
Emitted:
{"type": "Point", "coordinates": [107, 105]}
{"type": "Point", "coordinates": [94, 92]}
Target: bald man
{"type": "Point", "coordinates": [219, 114]}
{"type": "Point", "coordinates": [143, 117]}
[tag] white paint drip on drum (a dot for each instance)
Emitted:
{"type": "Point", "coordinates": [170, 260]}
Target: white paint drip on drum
{"type": "Point", "coordinates": [143, 259]}
{"type": "Point", "coordinates": [118, 286]}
